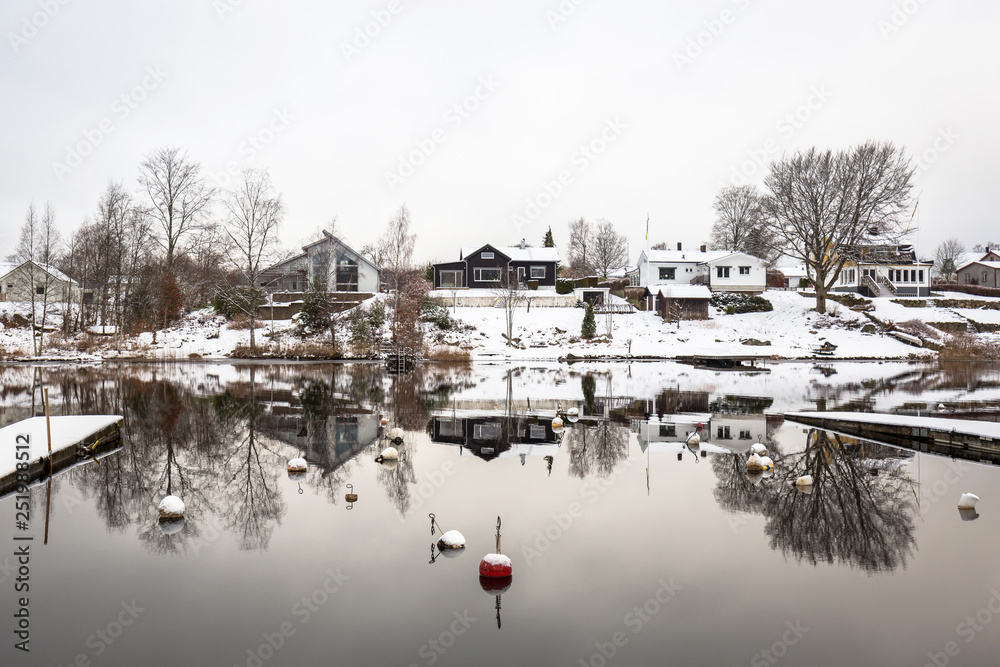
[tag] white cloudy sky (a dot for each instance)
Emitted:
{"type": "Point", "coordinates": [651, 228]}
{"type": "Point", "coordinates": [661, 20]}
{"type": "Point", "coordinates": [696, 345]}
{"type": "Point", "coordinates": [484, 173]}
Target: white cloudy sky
{"type": "Point", "coordinates": [332, 125]}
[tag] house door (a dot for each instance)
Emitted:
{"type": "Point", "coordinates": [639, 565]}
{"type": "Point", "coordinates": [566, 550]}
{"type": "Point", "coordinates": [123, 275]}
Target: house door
{"type": "Point", "coordinates": [520, 275]}
{"type": "Point", "coordinates": [870, 273]}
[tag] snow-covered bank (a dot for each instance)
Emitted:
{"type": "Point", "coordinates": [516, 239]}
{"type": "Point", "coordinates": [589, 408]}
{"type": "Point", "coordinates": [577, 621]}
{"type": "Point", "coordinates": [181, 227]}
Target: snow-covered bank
{"type": "Point", "coordinates": [791, 331]}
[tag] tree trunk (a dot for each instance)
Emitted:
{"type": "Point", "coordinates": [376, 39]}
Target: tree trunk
{"type": "Point", "coordinates": [820, 298]}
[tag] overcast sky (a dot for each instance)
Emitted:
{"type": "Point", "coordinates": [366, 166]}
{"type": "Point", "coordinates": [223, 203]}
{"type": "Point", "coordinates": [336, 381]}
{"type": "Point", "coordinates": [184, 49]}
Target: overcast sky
{"type": "Point", "coordinates": [590, 108]}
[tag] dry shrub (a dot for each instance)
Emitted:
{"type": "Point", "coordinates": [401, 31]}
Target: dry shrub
{"type": "Point", "coordinates": [14, 321]}
{"type": "Point", "coordinates": [240, 322]}
{"type": "Point", "coordinates": [968, 347]}
{"type": "Point", "coordinates": [449, 353]}
{"type": "Point", "coordinates": [918, 328]}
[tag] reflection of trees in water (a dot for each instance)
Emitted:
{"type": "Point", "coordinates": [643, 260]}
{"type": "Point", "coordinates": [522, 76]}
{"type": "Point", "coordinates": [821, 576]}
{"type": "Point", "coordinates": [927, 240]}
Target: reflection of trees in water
{"type": "Point", "coordinates": [396, 482]}
{"type": "Point", "coordinates": [595, 449]}
{"type": "Point", "coordinates": [860, 510]}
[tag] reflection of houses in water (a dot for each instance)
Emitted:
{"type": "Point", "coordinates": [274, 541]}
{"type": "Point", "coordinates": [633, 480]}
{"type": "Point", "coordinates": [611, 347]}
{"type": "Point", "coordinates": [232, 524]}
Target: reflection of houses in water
{"type": "Point", "coordinates": [490, 436]}
{"type": "Point", "coordinates": [328, 438]}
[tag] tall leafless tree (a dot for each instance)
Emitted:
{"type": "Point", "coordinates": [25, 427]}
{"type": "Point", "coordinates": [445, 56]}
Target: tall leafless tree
{"type": "Point", "coordinates": [509, 294]}
{"type": "Point", "coordinates": [396, 245]}
{"type": "Point", "coordinates": [740, 225]}
{"type": "Point", "coordinates": [178, 194]}
{"type": "Point", "coordinates": [37, 250]}
{"type": "Point", "coordinates": [822, 204]}
{"type": "Point", "coordinates": [610, 249]}
{"type": "Point", "coordinates": [581, 236]}
{"type": "Point", "coordinates": [253, 213]}
{"type": "Point", "coordinates": [947, 256]}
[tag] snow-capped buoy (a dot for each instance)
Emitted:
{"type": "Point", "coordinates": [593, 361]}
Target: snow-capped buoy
{"type": "Point", "coordinates": [758, 448]}
{"type": "Point", "coordinates": [383, 422]}
{"type": "Point", "coordinates": [388, 454]}
{"type": "Point", "coordinates": [297, 464]}
{"type": "Point", "coordinates": [694, 439]}
{"type": "Point", "coordinates": [557, 424]}
{"type": "Point", "coordinates": [297, 476]}
{"type": "Point", "coordinates": [941, 407]}
{"type": "Point", "coordinates": [766, 464]}
{"type": "Point", "coordinates": [968, 501]}
{"type": "Point", "coordinates": [573, 415]}
{"type": "Point", "coordinates": [451, 540]}
{"type": "Point", "coordinates": [754, 464]}
{"type": "Point", "coordinates": [802, 482]}
{"type": "Point", "coordinates": [495, 565]}
{"type": "Point", "coordinates": [171, 508]}
{"type": "Point", "coordinates": [396, 435]}
{"type": "Point", "coordinates": [350, 496]}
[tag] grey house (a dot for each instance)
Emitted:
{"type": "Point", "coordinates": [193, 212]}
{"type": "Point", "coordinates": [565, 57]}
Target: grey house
{"type": "Point", "coordinates": [327, 262]}
{"type": "Point", "coordinates": [482, 267]}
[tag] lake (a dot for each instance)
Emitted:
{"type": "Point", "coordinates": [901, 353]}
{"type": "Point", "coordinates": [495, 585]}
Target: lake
{"type": "Point", "coordinates": [629, 547]}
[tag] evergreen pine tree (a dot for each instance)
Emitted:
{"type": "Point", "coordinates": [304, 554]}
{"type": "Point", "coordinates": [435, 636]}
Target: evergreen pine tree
{"type": "Point", "coordinates": [589, 328]}
{"type": "Point", "coordinates": [549, 242]}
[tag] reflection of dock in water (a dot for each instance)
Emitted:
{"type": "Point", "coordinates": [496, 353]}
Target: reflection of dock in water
{"type": "Point", "coordinates": [963, 439]}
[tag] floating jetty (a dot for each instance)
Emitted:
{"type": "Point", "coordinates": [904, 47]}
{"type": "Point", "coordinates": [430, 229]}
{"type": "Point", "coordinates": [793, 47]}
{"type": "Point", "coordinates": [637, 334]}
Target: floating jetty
{"type": "Point", "coordinates": [75, 440]}
{"type": "Point", "coordinates": [727, 362]}
{"type": "Point", "coordinates": [958, 438]}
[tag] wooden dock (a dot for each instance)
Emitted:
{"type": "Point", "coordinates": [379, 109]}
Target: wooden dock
{"type": "Point", "coordinates": [74, 440]}
{"type": "Point", "coordinates": [727, 362]}
{"type": "Point", "coordinates": [957, 438]}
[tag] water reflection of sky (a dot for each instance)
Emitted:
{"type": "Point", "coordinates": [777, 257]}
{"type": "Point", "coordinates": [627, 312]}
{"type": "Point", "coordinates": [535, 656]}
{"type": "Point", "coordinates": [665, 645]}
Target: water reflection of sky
{"type": "Point", "coordinates": [878, 567]}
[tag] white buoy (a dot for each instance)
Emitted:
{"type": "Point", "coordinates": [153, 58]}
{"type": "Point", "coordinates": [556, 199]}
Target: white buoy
{"type": "Point", "coordinates": [557, 424]}
{"type": "Point", "coordinates": [755, 476]}
{"type": "Point", "coordinates": [396, 435]}
{"type": "Point", "coordinates": [968, 515]}
{"type": "Point", "coordinates": [297, 465]}
{"type": "Point", "coordinates": [805, 480]}
{"type": "Point", "coordinates": [451, 540]}
{"type": "Point", "coordinates": [759, 449]}
{"type": "Point", "coordinates": [694, 438]}
{"type": "Point", "coordinates": [573, 415]}
{"type": "Point", "coordinates": [968, 501]}
{"type": "Point", "coordinates": [766, 464]}
{"type": "Point", "coordinates": [172, 527]}
{"type": "Point", "coordinates": [754, 464]}
{"type": "Point", "coordinates": [941, 407]}
{"type": "Point", "coordinates": [171, 508]}
{"type": "Point", "coordinates": [389, 454]}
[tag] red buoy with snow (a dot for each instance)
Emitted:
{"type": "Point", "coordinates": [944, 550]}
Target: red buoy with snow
{"type": "Point", "coordinates": [495, 565]}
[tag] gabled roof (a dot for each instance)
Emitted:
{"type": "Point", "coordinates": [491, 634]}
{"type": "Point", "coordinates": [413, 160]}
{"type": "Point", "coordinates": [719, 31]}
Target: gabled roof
{"type": "Point", "coordinates": [674, 291]}
{"type": "Point", "coordinates": [691, 256]}
{"type": "Point", "coordinates": [7, 268]}
{"type": "Point", "coordinates": [988, 265]}
{"type": "Point", "coordinates": [518, 254]}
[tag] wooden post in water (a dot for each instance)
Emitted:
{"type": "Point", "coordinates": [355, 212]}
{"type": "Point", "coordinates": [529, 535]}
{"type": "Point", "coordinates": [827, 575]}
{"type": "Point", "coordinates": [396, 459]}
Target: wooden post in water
{"type": "Point", "coordinates": [48, 485]}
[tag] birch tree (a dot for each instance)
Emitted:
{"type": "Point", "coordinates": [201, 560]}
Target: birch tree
{"type": "Point", "coordinates": [610, 249]}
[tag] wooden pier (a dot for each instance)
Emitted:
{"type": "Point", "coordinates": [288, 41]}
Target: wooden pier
{"type": "Point", "coordinates": [74, 440]}
{"type": "Point", "coordinates": [957, 438]}
{"type": "Point", "coordinates": [727, 362]}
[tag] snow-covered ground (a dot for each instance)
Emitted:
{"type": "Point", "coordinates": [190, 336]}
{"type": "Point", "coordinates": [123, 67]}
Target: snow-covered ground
{"type": "Point", "coordinates": [793, 329]}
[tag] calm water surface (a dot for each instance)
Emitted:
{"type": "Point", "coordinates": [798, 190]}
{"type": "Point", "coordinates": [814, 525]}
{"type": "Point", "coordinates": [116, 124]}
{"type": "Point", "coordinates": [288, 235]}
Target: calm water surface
{"type": "Point", "coordinates": [628, 547]}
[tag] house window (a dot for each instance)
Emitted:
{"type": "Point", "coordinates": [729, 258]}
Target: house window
{"type": "Point", "coordinates": [745, 434]}
{"type": "Point", "coordinates": [536, 432]}
{"type": "Point", "coordinates": [667, 273]}
{"type": "Point", "coordinates": [451, 279]}
{"type": "Point", "coordinates": [486, 431]}
{"type": "Point", "coordinates": [921, 275]}
{"type": "Point", "coordinates": [450, 428]}
{"type": "Point", "coordinates": [295, 286]}
{"type": "Point", "coordinates": [40, 289]}
{"type": "Point", "coordinates": [984, 278]}
{"type": "Point", "coordinates": [722, 272]}
{"type": "Point", "coordinates": [537, 272]}
{"type": "Point", "coordinates": [486, 255]}
{"type": "Point", "coordinates": [744, 270]}
{"type": "Point", "coordinates": [668, 430]}
{"type": "Point", "coordinates": [488, 275]}
{"type": "Point", "coordinates": [347, 275]}
{"type": "Point", "coordinates": [723, 433]}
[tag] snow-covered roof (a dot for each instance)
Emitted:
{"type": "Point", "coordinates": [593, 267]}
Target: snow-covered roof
{"type": "Point", "coordinates": [673, 291]}
{"type": "Point", "coordinates": [988, 265]}
{"type": "Point", "coordinates": [517, 254]}
{"type": "Point", "coordinates": [695, 256]}
{"type": "Point", "coordinates": [793, 271]}
{"type": "Point", "coordinates": [6, 268]}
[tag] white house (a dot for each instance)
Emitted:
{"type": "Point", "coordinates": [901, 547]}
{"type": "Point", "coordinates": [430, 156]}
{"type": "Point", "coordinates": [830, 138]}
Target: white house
{"type": "Point", "coordinates": [47, 282]}
{"type": "Point", "coordinates": [328, 261]}
{"type": "Point", "coordinates": [882, 266]}
{"type": "Point", "coordinates": [721, 270]}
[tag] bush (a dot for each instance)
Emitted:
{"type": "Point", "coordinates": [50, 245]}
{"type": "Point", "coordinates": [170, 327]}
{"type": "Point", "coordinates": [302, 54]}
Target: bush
{"type": "Point", "coordinates": [849, 299]}
{"type": "Point", "coordinates": [230, 302]}
{"type": "Point", "coordinates": [735, 303]}
{"type": "Point", "coordinates": [589, 327]}
{"type": "Point", "coordinates": [564, 286]}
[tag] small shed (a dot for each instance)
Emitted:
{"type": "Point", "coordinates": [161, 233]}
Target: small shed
{"type": "Point", "coordinates": [681, 302]}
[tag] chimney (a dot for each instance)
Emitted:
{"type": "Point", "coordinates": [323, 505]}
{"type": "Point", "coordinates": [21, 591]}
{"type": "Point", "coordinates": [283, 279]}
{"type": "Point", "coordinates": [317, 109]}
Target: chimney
{"type": "Point", "coordinates": [704, 248]}
{"type": "Point", "coordinates": [679, 248]}
{"type": "Point", "coordinates": [522, 244]}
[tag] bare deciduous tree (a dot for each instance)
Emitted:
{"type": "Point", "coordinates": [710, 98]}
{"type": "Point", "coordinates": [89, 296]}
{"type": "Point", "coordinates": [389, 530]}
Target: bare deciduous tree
{"type": "Point", "coordinates": [37, 250]}
{"type": "Point", "coordinates": [947, 256]}
{"type": "Point", "coordinates": [396, 246]}
{"type": "Point", "coordinates": [254, 212]}
{"type": "Point", "coordinates": [581, 235]}
{"type": "Point", "coordinates": [740, 225]}
{"type": "Point", "coordinates": [179, 196]}
{"type": "Point", "coordinates": [509, 295]}
{"type": "Point", "coordinates": [610, 249]}
{"type": "Point", "coordinates": [820, 205]}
